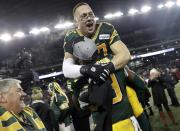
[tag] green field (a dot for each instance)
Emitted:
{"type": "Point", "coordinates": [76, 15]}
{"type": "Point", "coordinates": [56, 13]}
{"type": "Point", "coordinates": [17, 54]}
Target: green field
{"type": "Point", "coordinates": [155, 120]}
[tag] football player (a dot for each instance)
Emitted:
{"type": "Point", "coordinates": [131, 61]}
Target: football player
{"type": "Point", "coordinates": [111, 50]}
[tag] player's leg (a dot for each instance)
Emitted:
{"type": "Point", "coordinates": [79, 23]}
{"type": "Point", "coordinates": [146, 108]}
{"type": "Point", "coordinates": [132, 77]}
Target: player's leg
{"type": "Point", "coordinates": [138, 110]}
{"type": "Point", "coordinates": [130, 124]}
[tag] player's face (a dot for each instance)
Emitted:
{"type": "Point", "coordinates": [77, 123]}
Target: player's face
{"type": "Point", "coordinates": [85, 19]}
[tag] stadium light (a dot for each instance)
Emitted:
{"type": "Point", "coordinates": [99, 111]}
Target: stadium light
{"type": "Point", "coordinates": [6, 37]}
{"type": "Point", "coordinates": [132, 11]}
{"type": "Point", "coordinates": [68, 24]}
{"type": "Point", "coordinates": [44, 29]}
{"type": "Point", "coordinates": [64, 25]}
{"type": "Point", "coordinates": [35, 31]}
{"type": "Point", "coordinates": [110, 15]}
{"type": "Point", "coordinates": [118, 14]}
{"type": "Point", "coordinates": [96, 18]}
{"type": "Point", "coordinates": [50, 75]}
{"type": "Point", "coordinates": [160, 6]}
{"type": "Point", "coordinates": [152, 53]}
{"type": "Point", "coordinates": [178, 3]}
{"type": "Point", "coordinates": [145, 9]}
{"type": "Point", "coordinates": [59, 26]}
{"type": "Point", "coordinates": [19, 34]}
{"type": "Point", "coordinates": [169, 4]}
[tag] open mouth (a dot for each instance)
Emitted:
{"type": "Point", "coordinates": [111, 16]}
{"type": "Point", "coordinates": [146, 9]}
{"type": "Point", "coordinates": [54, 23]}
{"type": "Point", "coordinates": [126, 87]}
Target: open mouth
{"type": "Point", "coordinates": [22, 98]}
{"type": "Point", "coordinates": [89, 25]}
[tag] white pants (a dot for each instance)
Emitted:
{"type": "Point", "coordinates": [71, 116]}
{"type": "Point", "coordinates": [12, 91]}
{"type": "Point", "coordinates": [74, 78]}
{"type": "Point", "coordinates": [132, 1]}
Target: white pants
{"type": "Point", "coordinates": [135, 123]}
{"type": "Point", "coordinates": [67, 128]}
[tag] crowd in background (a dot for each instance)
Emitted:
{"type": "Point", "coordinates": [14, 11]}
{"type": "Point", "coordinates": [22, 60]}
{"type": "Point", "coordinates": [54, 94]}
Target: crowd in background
{"type": "Point", "coordinates": [43, 93]}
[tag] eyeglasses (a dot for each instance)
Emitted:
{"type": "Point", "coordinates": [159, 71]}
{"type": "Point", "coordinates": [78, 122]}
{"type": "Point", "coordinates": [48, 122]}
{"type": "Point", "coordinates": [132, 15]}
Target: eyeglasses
{"type": "Point", "coordinates": [85, 16]}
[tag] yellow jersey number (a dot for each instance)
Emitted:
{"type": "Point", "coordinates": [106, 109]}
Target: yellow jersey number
{"type": "Point", "coordinates": [115, 85]}
{"type": "Point", "coordinates": [102, 47]}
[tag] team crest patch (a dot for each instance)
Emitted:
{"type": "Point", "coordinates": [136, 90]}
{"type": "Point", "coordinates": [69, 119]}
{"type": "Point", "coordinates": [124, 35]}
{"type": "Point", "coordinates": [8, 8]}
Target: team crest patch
{"type": "Point", "coordinates": [104, 36]}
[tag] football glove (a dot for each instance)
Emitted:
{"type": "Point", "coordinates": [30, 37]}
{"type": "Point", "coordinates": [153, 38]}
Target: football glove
{"type": "Point", "coordinates": [96, 72]}
{"type": "Point", "coordinates": [110, 67]}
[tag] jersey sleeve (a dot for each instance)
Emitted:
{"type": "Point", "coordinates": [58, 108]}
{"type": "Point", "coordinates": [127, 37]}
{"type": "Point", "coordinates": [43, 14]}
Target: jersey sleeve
{"type": "Point", "coordinates": [68, 43]}
{"type": "Point", "coordinates": [114, 36]}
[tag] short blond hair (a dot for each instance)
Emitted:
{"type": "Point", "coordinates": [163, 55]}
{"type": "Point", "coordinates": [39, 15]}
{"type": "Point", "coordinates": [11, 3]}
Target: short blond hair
{"type": "Point", "coordinates": [37, 93]}
{"type": "Point", "coordinates": [78, 5]}
{"type": "Point", "coordinates": [154, 72]}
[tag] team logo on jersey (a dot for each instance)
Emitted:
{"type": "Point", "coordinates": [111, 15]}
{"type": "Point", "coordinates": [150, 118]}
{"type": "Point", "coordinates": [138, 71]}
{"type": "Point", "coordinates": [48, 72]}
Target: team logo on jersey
{"type": "Point", "coordinates": [93, 69]}
{"type": "Point", "coordinates": [104, 36]}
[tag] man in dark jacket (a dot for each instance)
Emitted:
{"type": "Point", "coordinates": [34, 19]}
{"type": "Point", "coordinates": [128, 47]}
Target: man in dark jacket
{"type": "Point", "coordinates": [159, 96]}
{"type": "Point", "coordinates": [43, 110]}
{"type": "Point", "coordinates": [169, 83]}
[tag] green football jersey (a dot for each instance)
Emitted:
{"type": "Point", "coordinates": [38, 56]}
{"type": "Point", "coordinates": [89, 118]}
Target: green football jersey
{"type": "Point", "coordinates": [55, 106]}
{"type": "Point", "coordinates": [121, 108]}
{"type": "Point", "coordinates": [104, 37]}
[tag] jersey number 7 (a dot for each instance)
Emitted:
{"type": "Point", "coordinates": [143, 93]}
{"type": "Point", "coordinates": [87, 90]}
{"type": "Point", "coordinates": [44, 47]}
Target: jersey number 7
{"type": "Point", "coordinates": [115, 85]}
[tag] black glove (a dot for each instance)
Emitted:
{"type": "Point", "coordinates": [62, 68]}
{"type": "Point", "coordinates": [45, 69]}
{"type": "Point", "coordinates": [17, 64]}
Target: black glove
{"type": "Point", "coordinates": [96, 72]}
{"type": "Point", "coordinates": [110, 67]}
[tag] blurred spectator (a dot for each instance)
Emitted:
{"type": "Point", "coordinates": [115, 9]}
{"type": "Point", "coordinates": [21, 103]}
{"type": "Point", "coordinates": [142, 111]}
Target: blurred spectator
{"type": "Point", "coordinates": [169, 83]}
{"type": "Point", "coordinates": [60, 105]}
{"type": "Point", "coordinates": [43, 110]}
{"type": "Point", "coordinates": [147, 105]}
{"type": "Point", "coordinates": [159, 96]}
{"type": "Point", "coordinates": [24, 60]}
{"type": "Point", "coordinates": [27, 100]}
{"type": "Point", "coordinates": [177, 63]}
{"type": "Point", "coordinates": [176, 73]}
{"type": "Point", "coordinates": [80, 117]}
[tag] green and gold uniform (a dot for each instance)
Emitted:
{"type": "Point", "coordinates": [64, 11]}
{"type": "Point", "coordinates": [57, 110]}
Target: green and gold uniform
{"type": "Point", "coordinates": [26, 120]}
{"type": "Point", "coordinates": [135, 94]}
{"type": "Point", "coordinates": [59, 104]}
{"type": "Point", "coordinates": [60, 115]}
{"type": "Point", "coordinates": [104, 37]}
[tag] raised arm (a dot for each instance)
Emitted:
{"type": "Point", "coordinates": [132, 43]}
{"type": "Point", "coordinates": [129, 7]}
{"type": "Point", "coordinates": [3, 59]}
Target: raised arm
{"type": "Point", "coordinates": [121, 54]}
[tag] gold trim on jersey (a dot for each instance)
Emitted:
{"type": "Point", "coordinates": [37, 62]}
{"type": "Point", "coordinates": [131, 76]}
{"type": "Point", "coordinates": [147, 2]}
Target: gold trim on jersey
{"type": "Point", "coordinates": [79, 32]}
{"type": "Point", "coordinates": [114, 34]}
{"type": "Point", "coordinates": [94, 37]}
{"type": "Point", "coordinates": [117, 89]}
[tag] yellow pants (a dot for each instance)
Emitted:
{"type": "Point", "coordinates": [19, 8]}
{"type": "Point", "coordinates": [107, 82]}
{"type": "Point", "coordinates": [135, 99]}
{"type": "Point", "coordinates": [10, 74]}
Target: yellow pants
{"type": "Point", "coordinates": [129, 124]}
{"type": "Point", "coordinates": [135, 104]}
